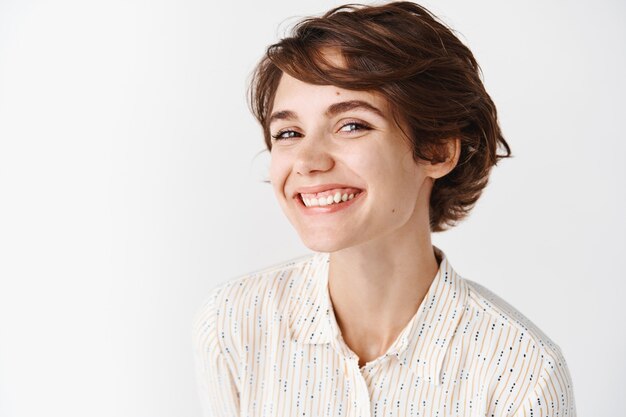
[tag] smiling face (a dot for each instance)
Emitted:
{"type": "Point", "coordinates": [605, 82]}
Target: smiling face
{"type": "Point", "coordinates": [329, 143]}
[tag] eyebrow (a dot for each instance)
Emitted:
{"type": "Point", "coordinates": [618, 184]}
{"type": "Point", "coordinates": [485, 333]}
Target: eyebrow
{"type": "Point", "coordinates": [333, 110]}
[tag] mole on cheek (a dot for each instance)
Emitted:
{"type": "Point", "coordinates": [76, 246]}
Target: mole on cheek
{"type": "Point", "coordinates": [338, 93]}
{"type": "Point", "coordinates": [393, 210]}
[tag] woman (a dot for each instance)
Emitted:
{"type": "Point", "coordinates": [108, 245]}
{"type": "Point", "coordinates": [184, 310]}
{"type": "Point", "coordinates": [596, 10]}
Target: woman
{"type": "Point", "coordinates": [380, 132]}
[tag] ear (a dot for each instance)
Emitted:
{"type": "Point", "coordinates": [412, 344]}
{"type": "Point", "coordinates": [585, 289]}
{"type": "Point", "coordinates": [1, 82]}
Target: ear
{"type": "Point", "coordinates": [452, 151]}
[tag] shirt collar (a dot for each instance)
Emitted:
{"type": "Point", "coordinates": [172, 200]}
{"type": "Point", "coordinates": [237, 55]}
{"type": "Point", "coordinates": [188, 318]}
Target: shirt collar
{"type": "Point", "coordinates": [421, 345]}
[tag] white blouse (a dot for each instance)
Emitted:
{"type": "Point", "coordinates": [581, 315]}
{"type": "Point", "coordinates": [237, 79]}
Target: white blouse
{"type": "Point", "coordinates": [268, 344]}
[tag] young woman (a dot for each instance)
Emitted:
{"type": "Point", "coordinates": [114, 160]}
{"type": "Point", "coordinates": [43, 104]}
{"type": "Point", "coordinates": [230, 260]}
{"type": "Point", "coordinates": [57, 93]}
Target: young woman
{"type": "Point", "coordinates": [380, 133]}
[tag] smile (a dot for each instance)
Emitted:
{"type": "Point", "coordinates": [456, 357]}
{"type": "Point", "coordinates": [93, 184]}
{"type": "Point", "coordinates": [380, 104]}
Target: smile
{"type": "Point", "coordinates": [328, 204]}
{"type": "Point", "coordinates": [327, 200]}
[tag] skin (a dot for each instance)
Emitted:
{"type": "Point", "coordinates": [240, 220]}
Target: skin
{"type": "Point", "coordinates": [382, 261]}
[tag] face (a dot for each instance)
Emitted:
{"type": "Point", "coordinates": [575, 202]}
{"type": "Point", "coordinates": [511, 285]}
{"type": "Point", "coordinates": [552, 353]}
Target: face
{"type": "Point", "coordinates": [342, 152]}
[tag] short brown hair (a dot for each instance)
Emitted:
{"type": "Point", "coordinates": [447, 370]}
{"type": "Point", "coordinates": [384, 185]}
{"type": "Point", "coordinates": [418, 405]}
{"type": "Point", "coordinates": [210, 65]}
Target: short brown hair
{"type": "Point", "coordinates": [429, 77]}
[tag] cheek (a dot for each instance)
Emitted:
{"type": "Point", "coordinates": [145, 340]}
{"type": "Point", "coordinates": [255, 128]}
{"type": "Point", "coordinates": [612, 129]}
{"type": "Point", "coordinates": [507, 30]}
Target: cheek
{"type": "Point", "coordinates": [278, 171]}
{"type": "Point", "coordinates": [374, 165]}
{"type": "Point", "coordinates": [366, 163]}
{"type": "Point", "coordinates": [393, 173]}
{"type": "Point", "coordinates": [409, 165]}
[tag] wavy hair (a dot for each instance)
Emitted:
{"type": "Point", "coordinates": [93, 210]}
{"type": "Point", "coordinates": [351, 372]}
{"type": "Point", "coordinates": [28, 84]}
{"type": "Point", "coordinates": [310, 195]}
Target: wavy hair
{"type": "Point", "coordinates": [429, 77]}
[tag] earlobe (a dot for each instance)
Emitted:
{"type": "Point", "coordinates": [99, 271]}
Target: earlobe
{"type": "Point", "coordinates": [453, 153]}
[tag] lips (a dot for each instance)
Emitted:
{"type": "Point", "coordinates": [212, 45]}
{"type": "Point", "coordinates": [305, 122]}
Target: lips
{"type": "Point", "coordinates": [327, 209]}
{"type": "Point", "coordinates": [321, 188]}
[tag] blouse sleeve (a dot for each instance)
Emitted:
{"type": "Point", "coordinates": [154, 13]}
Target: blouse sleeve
{"type": "Point", "coordinates": [553, 393]}
{"type": "Point", "coordinates": [219, 396]}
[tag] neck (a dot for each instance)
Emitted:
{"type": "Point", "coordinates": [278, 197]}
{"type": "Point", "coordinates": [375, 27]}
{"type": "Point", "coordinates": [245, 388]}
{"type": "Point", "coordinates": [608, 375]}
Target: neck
{"type": "Point", "coordinates": [377, 287]}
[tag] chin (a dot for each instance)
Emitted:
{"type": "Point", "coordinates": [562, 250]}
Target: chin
{"type": "Point", "coordinates": [322, 243]}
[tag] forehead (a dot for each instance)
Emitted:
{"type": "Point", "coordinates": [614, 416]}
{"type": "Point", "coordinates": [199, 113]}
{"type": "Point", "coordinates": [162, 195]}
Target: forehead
{"type": "Point", "coordinates": [294, 94]}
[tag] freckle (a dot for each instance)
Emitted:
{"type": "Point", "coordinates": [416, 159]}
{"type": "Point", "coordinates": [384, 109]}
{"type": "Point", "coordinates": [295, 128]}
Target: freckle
{"type": "Point", "coordinates": [393, 210]}
{"type": "Point", "coordinates": [338, 93]}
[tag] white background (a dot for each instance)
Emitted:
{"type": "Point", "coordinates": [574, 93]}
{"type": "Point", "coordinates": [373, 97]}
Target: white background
{"type": "Point", "coordinates": [131, 183]}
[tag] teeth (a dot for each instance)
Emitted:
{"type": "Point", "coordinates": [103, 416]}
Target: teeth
{"type": "Point", "coordinates": [331, 199]}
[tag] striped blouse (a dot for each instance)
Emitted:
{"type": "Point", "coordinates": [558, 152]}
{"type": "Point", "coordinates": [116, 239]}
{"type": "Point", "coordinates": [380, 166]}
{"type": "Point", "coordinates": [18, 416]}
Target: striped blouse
{"type": "Point", "coordinates": [268, 344]}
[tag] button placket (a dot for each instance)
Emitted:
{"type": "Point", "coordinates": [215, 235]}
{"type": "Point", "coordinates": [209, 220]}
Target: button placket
{"type": "Point", "coordinates": [361, 390]}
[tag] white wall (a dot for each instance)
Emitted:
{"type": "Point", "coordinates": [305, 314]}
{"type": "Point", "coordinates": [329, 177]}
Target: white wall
{"type": "Point", "coordinates": [131, 184]}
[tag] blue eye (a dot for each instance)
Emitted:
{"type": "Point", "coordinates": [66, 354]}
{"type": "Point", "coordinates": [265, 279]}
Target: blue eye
{"type": "Point", "coordinates": [348, 127]}
{"type": "Point", "coordinates": [354, 126]}
{"type": "Point", "coordinates": [286, 134]}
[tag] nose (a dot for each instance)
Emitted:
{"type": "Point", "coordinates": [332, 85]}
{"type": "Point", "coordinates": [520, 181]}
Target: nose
{"type": "Point", "coordinates": [313, 156]}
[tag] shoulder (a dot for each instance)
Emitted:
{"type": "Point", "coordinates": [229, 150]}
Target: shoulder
{"type": "Point", "coordinates": [257, 285]}
{"type": "Point", "coordinates": [526, 360]}
{"type": "Point", "coordinates": [231, 305]}
{"type": "Point", "coordinates": [481, 299]}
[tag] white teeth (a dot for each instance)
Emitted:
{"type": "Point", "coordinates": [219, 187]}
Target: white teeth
{"type": "Point", "coordinates": [331, 199]}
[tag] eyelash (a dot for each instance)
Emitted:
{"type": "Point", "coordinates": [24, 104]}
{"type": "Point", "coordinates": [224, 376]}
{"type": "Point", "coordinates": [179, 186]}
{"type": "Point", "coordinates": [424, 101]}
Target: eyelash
{"type": "Point", "coordinates": [358, 125]}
